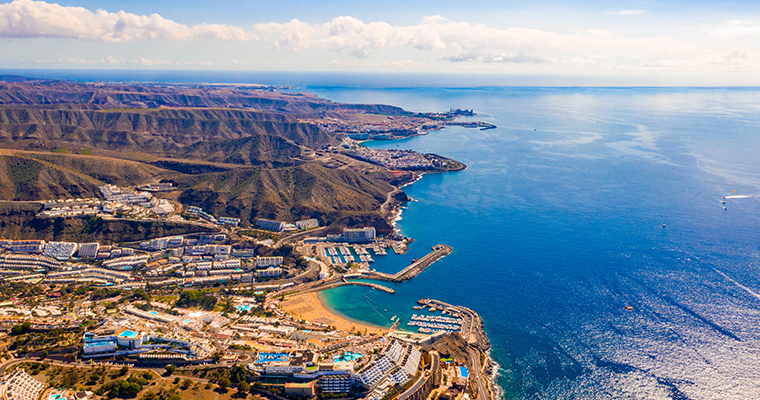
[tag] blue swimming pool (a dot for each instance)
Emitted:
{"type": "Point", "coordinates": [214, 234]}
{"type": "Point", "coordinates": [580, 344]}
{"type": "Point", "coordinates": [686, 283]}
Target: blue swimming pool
{"type": "Point", "coordinates": [128, 334]}
{"type": "Point", "coordinates": [269, 357]}
{"type": "Point", "coordinates": [152, 312]}
{"type": "Point", "coordinates": [347, 356]}
{"type": "Point", "coordinates": [463, 372]}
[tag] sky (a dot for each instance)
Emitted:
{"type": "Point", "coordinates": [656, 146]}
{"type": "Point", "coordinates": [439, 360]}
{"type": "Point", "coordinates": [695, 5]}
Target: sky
{"type": "Point", "coordinates": [702, 43]}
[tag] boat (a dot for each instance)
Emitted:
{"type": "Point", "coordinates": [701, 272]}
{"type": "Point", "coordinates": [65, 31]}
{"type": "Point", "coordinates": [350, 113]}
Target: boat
{"type": "Point", "coordinates": [628, 308]}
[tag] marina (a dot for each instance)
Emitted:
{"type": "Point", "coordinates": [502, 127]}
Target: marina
{"type": "Point", "coordinates": [342, 254]}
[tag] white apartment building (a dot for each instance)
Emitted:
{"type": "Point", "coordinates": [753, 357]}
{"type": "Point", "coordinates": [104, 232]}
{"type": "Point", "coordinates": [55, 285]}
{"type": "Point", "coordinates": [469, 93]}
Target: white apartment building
{"type": "Point", "coordinates": [366, 234]}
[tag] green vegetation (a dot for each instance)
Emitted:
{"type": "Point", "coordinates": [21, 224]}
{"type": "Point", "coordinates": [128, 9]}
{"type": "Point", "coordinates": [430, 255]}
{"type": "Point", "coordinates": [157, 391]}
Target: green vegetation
{"type": "Point", "coordinates": [195, 298]}
{"type": "Point", "coordinates": [9, 290]}
{"type": "Point", "coordinates": [100, 294]}
{"type": "Point", "coordinates": [62, 150]}
{"type": "Point", "coordinates": [85, 152]}
{"type": "Point", "coordinates": [21, 329]}
{"type": "Point", "coordinates": [61, 341]}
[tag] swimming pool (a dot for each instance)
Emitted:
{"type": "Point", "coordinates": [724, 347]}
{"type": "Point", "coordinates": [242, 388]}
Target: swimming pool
{"type": "Point", "coordinates": [347, 356]}
{"type": "Point", "coordinates": [55, 397]}
{"type": "Point", "coordinates": [463, 372]}
{"type": "Point", "coordinates": [128, 334]}
{"type": "Point", "coordinates": [152, 312]}
{"type": "Point", "coordinates": [268, 357]}
{"type": "Point", "coordinates": [244, 307]}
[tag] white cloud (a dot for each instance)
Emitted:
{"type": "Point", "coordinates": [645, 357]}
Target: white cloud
{"type": "Point", "coordinates": [110, 60]}
{"type": "Point", "coordinates": [518, 58]}
{"type": "Point", "coordinates": [360, 39]}
{"type": "Point", "coordinates": [29, 19]}
{"type": "Point", "coordinates": [460, 41]}
{"type": "Point", "coordinates": [735, 28]}
{"type": "Point", "coordinates": [403, 64]}
{"type": "Point", "coordinates": [628, 12]}
{"type": "Point", "coordinates": [736, 59]}
{"type": "Point", "coordinates": [147, 62]}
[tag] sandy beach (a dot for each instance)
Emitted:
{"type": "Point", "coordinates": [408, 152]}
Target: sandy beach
{"type": "Point", "coordinates": [309, 307]}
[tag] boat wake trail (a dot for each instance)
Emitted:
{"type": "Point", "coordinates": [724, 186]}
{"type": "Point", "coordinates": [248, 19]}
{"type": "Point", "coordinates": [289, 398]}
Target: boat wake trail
{"type": "Point", "coordinates": [743, 196]}
{"type": "Point", "coordinates": [748, 290]}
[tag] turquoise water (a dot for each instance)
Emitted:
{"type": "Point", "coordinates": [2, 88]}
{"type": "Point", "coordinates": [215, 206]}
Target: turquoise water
{"type": "Point", "coordinates": [128, 335]}
{"type": "Point", "coordinates": [463, 372]}
{"type": "Point", "coordinates": [557, 226]}
{"type": "Point", "coordinates": [153, 312]}
{"type": "Point", "coordinates": [267, 357]}
{"type": "Point", "coordinates": [347, 356]}
{"type": "Point", "coordinates": [244, 307]}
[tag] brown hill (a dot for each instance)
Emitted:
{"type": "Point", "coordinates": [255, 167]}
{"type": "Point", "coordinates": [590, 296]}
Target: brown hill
{"type": "Point", "coordinates": [28, 176]}
{"type": "Point", "coordinates": [291, 193]}
{"type": "Point", "coordinates": [154, 96]}
{"type": "Point", "coordinates": [240, 137]}
{"type": "Point", "coordinates": [235, 151]}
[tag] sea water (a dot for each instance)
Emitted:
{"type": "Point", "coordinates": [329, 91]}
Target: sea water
{"type": "Point", "coordinates": [583, 203]}
{"type": "Point", "coordinates": [589, 232]}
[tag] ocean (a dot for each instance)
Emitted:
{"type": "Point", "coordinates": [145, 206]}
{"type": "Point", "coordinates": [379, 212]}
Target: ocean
{"type": "Point", "coordinates": [583, 202]}
{"type": "Point", "coordinates": [588, 231]}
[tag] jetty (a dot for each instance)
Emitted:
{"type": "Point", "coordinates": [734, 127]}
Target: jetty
{"type": "Point", "coordinates": [322, 285]}
{"type": "Point", "coordinates": [439, 251]}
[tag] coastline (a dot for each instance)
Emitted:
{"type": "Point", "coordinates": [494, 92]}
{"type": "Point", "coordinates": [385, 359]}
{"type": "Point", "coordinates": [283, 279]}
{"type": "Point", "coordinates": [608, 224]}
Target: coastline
{"type": "Point", "coordinates": [479, 344]}
{"type": "Point", "coordinates": [313, 308]}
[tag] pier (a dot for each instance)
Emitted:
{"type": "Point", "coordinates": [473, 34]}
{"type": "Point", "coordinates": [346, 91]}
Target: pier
{"type": "Point", "coordinates": [342, 282]}
{"type": "Point", "coordinates": [439, 251]}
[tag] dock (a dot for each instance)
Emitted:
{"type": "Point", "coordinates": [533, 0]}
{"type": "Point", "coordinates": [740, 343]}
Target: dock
{"type": "Point", "coordinates": [341, 282]}
{"type": "Point", "coordinates": [439, 251]}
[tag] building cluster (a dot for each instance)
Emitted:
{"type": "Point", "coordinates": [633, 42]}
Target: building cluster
{"type": "Point", "coordinates": [115, 200]}
{"type": "Point", "coordinates": [9, 262]}
{"type": "Point", "coordinates": [280, 226]}
{"type": "Point", "coordinates": [21, 386]}
{"type": "Point", "coordinates": [210, 218]}
{"type": "Point", "coordinates": [203, 259]}
{"type": "Point", "coordinates": [145, 345]}
{"type": "Point", "coordinates": [393, 158]}
{"type": "Point", "coordinates": [361, 129]}
{"type": "Point", "coordinates": [91, 275]}
{"type": "Point", "coordinates": [394, 365]}
{"type": "Point", "coordinates": [159, 187]}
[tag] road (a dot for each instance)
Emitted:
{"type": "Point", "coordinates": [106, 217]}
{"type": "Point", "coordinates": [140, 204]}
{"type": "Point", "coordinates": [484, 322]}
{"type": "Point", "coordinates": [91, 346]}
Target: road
{"type": "Point", "coordinates": [299, 235]}
{"type": "Point", "coordinates": [476, 374]}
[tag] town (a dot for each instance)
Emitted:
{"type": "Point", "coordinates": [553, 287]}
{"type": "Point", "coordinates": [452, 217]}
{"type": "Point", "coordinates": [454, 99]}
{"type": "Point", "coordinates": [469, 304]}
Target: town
{"type": "Point", "coordinates": [177, 307]}
{"type": "Point", "coordinates": [360, 126]}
